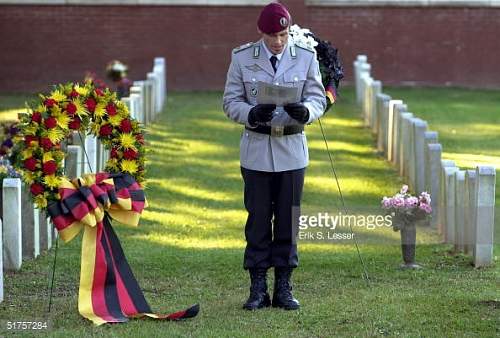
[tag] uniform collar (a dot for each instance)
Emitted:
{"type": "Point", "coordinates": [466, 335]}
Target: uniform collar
{"type": "Point", "coordinates": [269, 53]}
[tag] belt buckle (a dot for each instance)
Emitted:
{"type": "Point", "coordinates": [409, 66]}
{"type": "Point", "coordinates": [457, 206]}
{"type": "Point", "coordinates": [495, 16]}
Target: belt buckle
{"type": "Point", "coordinates": [277, 131]}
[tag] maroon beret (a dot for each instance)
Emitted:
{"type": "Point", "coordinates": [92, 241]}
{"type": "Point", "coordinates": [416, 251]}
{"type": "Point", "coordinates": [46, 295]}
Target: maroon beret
{"type": "Point", "coordinates": [274, 18]}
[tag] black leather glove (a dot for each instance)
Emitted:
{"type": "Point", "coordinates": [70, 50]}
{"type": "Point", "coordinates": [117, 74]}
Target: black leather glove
{"type": "Point", "coordinates": [261, 113]}
{"type": "Point", "coordinates": [297, 111]}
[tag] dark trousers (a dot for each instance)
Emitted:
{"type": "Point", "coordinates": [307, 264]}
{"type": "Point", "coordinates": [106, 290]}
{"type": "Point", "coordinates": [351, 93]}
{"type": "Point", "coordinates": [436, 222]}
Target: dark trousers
{"type": "Point", "coordinates": [272, 200]}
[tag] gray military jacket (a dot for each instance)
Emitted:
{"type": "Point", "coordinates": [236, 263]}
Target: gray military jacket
{"type": "Point", "coordinates": [298, 67]}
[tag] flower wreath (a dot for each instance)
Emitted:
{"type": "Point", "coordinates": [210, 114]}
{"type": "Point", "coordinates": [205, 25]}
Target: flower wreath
{"type": "Point", "coordinates": [328, 57]}
{"type": "Point", "coordinates": [82, 108]}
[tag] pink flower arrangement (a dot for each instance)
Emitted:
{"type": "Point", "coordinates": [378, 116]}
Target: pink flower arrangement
{"type": "Point", "coordinates": [407, 208]}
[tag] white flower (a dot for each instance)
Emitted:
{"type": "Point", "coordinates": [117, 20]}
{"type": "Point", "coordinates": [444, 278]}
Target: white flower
{"type": "Point", "coordinates": [117, 66]}
{"type": "Point", "coordinates": [299, 36]}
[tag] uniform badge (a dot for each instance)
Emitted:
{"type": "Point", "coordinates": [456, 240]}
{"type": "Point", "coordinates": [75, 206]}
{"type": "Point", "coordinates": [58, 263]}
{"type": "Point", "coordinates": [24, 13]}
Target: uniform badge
{"type": "Point", "coordinates": [254, 68]}
{"type": "Point", "coordinates": [283, 22]}
{"type": "Point", "coordinates": [254, 91]}
{"type": "Point", "coordinates": [256, 52]}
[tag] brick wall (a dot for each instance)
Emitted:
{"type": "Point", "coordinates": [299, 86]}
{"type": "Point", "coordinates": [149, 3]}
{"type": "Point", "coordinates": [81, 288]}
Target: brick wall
{"type": "Point", "coordinates": [43, 45]}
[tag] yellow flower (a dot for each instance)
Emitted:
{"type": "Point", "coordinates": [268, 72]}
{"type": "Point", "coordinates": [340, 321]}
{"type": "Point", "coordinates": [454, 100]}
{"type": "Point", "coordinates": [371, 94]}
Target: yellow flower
{"type": "Point", "coordinates": [112, 164]}
{"type": "Point", "coordinates": [127, 141]}
{"type": "Point", "coordinates": [28, 177]}
{"type": "Point", "coordinates": [47, 157]}
{"type": "Point", "coordinates": [27, 153]}
{"type": "Point", "coordinates": [40, 201]}
{"type": "Point", "coordinates": [81, 110]}
{"type": "Point", "coordinates": [81, 90]}
{"type": "Point", "coordinates": [63, 121]}
{"type": "Point", "coordinates": [30, 129]}
{"type": "Point", "coordinates": [3, 170]}
{"type": "Point", "coordinates": [55, 135]}
{"type": "Point", "coordinates": [56, 110]}
{"type": "Point", "coordinates": [129, 166]}
{"type": "Point", "coordinates": [52, 181]}
{"type": "Point", "coordinates": [115, 120]}
{"type": "Point", "coordinates": [41, 108]}
{"type": "Point", "coordinates": [100, 110]}
{"type": "Point", "coordinates": [58, 96]}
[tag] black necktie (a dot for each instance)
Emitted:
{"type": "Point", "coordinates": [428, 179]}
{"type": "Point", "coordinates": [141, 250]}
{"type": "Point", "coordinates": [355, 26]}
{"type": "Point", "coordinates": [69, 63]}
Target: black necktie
{"type": "Point", "coordinates": [273, 60]}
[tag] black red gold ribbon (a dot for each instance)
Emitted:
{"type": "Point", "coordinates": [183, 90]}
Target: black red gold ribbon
{"type": "Point", "coordinates": [109, 292]}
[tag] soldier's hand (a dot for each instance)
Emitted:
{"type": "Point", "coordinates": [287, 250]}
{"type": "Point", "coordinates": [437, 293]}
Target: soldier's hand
{"type": "Point", "coordinates": [261, 113]}
{"type": "Point", "coordinates": [297, 111]}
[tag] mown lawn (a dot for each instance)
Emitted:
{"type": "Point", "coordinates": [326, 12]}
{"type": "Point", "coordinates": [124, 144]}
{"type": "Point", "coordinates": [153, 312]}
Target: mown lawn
{"type": "Point", "coordinates": [189, 246]}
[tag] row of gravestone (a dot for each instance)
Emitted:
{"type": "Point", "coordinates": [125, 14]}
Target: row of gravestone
{"type": "Point", "coordinates": [24, 231]}
{"type": "Point", "coordinates": [463, 201]}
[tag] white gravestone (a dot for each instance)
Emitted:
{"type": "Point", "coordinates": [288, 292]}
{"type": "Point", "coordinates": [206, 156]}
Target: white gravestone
{"type": "Point", "coordinates": [91, 154]}
{"type": "Point", "coordinates": [79, 140]}
{"type": "Point", "coordinates": [364, 74]}
{"type": "Point", "coordinates": [138, 89]}
{"type": "Point", "coordinates": [367, 99]}
{"type": "Point", "coordinates": [12, 231]}
{"type": "Point", "coordinates": [434, 171]}
{"type": "Point", "coordinates": [31, 234]}
{"type": "Point", "coordinates": [72, 167]}
{"type": "Point", "coordinates": [390, 128]}
{"type": "Point", "coordinates": [399, 109]}
{"type": "Point", "coordinates": [153, 77]}
{"type": "Point", "coordinates": [135, 107]}
{"type": "Point", "coordinates": [449, 190]}
{"type": "Point", "coordinates": [485, 216]}
{"type": "Point", "coordinates": [430, 137]}
{"type": "Point", "coordinates": [383, 116]}
{"type": "Point", "coordinates": [361, 59]}
{"type": "Point", "coordinates": [375, 90]}
{"type": "Point", "coordinates": [404, 146]}
{"type": "Point", "coordinates": [470, 209]}
{"type": "Point", "coordinates": [442, 197]}
{"type": "Point", "coordinates": [459, 210]}
{"type": "Point", "coordinates": [417, 156]}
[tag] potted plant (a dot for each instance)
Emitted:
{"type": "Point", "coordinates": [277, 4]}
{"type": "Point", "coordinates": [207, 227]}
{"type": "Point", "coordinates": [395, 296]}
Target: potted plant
{"type": "Point", "coordinates": [407, 210]}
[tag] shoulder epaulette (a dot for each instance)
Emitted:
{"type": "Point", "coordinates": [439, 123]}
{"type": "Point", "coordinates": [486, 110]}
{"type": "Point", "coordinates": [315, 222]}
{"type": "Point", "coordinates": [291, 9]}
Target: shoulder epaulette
{"type": "Point", "coordinates": [242, 47]}
{"type": "Point", "coordinates": [305, 47]}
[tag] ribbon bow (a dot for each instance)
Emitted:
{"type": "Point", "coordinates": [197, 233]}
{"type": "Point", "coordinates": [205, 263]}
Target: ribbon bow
{"type": "Point", "coordinates": [109, 292]}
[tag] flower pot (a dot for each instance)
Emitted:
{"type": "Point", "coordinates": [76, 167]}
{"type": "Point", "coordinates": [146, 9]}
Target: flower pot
{"type": "Point", "coordinates": [408, 243]}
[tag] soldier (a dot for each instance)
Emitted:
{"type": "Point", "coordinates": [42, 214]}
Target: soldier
{"type": "Point", "coordinates": [273, 150]}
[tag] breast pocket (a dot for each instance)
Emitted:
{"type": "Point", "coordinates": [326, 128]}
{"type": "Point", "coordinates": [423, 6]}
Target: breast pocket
{"type": "Point", "coordinates": [297, 79]}
{"type": "Point", "coordinates": [250, 80]}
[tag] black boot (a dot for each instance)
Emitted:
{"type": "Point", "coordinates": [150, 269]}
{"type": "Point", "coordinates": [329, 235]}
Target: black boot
{"type": "Point", "coordinates": [282, 296]}
{"type": "Point", "coordinates": [259, 297]}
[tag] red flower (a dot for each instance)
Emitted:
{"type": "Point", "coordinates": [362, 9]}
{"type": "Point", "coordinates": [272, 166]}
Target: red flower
{"type": "Point", "coordinates": [36, 117]}
{"type": "Point", "coordinates": [75, 124]}
{"type": "Point", "coordinates": [126, 126]}
{"type": "Point", "coordinates": [74, 93]}
{"type": "Point", "coordinates": [90, 103]}
{"type": "Point", "coordinates": [106, 130]}
{"type": "Point", "coordinates": [71, 108]}
{"type": "Point", "coordinates": [114, 153]}
{"type": "Point", "coordinates": [28, 139]}
{"type": "Point", "coordinates": [50, 122]}
{"type": "Point", "coordinates": [46, 143]}
{"type": "Point", "coordinates": [49, 167]}
{"type": "Point", "coordinates": [36, 189]}
{"type": "Point", "coordinates": [130, 154]}
{"type": "Point", "coordinates": [99, 92]}
{"type": "Point", "coordinates": [111, 109]}
{"type": "Point", "coordinates": [50, 102]}
{"type": "Point", "coordinates": [140, 138]}
{"type": "Point", "coordinates": [30, 164]}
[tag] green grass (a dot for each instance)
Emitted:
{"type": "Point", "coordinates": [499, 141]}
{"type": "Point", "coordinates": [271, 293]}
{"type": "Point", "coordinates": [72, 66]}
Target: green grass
{"type": "Point", "coordinates": [189, 247]}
